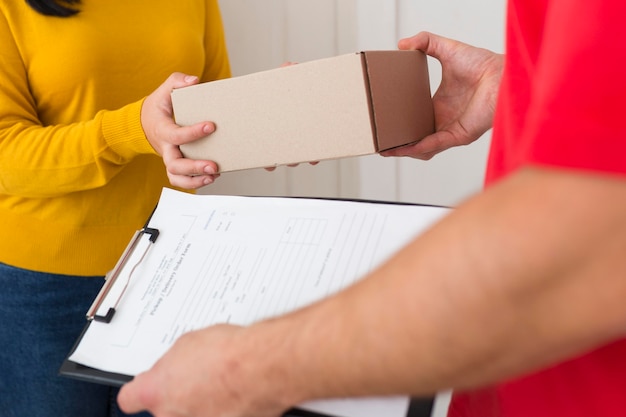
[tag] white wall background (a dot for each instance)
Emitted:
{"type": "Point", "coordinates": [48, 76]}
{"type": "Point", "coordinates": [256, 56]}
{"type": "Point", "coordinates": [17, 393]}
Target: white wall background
{"type": "Point", "coordinates": [263, 34]}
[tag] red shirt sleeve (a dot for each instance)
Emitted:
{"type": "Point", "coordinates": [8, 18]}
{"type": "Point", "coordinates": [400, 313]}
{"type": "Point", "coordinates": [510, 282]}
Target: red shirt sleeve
{"type": "Point", "coordinates": [563, 95]}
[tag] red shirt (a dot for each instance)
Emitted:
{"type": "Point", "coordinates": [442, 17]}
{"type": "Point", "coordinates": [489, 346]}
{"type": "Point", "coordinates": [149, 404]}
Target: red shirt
{"type": "Point", "coordinates": [563, 94]}
{"type": "Point", "coordinates": [562, 103]}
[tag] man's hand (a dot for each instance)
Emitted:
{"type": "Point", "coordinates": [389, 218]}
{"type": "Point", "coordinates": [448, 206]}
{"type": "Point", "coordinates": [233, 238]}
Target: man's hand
{"type": "Point", "coordinates": [465, 101]}
{"type": "Point", "coordinates": [206, 373]}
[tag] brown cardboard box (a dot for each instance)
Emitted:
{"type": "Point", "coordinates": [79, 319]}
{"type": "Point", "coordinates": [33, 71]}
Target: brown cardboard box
{"type": "Point", "coordinates": [349, 105]}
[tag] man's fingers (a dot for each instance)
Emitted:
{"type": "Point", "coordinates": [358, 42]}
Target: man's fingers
{"type": "Point", "coordinates": [416, 42]}
{"type": "Point", "coordinates": [131, 398]}
{"type": "Point", "coordinates": [425, 149]}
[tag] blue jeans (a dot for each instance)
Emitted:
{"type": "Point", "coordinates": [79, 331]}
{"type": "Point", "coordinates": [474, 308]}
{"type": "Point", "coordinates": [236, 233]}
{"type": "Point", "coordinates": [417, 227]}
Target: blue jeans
{"type": "Point", "coordinates": [41, 316]}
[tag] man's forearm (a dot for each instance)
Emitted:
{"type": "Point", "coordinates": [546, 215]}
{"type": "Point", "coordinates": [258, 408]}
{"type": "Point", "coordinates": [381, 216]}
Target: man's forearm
{"type": "Point", "coordinates": [527, 273]}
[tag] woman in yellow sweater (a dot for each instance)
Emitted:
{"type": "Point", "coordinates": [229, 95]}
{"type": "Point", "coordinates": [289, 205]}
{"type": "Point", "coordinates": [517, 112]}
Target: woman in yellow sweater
{"type": "Point", "coordinates": [87, 141]}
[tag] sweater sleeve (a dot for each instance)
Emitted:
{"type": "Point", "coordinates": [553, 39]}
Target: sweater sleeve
{"type": "Point", "coordinates": [47, 161]}
{"type": "Point", "coordinates": [217, 64]}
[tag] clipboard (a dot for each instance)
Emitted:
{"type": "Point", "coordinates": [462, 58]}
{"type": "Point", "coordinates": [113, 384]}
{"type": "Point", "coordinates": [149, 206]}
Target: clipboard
{"type": "Point", "coordinates": [100, 311]}
{"type": "Point", "coordinates": [112, 277]}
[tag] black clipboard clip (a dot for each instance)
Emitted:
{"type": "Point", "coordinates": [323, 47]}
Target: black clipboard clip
{"type": "Point", "coordinates": [111, 277]}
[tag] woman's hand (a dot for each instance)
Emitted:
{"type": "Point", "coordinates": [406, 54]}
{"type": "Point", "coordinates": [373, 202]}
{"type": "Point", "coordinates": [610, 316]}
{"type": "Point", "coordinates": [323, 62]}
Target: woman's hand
{"type": "Point", "coordinates": [166, 136]}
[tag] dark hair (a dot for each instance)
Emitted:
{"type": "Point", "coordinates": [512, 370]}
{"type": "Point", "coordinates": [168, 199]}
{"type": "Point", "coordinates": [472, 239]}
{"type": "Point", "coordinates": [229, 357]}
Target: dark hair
{"type": "Point", "coordinates": [59, 8]}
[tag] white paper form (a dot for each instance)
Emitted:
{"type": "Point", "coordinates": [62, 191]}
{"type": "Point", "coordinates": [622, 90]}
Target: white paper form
{"type": "Point", "coordinates": [226, 259]}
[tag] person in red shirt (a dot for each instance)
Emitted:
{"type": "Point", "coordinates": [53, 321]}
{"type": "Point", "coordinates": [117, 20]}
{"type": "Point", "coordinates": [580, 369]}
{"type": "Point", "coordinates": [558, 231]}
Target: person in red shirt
{"type": "Point", "coordinates": [515, 300]}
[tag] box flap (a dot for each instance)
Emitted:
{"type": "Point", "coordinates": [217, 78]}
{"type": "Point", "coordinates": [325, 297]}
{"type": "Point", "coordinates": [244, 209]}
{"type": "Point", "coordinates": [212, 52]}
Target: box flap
{"type": "Point", "coordinates": [401, 102]}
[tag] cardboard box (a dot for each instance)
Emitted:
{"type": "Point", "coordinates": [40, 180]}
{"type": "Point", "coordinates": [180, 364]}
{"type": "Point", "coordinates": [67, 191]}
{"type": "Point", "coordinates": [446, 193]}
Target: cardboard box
{"type": "Point", "coordinates": [349, 105]}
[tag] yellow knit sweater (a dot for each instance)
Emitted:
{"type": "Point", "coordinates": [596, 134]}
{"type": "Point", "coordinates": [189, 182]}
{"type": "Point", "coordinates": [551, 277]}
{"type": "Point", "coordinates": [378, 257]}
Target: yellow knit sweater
{"type": "Point", "coordinates": [77, 174]}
